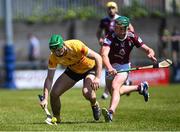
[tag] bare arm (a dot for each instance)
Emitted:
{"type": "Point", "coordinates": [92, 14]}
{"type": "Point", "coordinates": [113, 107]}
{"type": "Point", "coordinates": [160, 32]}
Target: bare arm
{"type": "Point", "coordinates": [150, 52]}
{"type": "Point", "coordinates": [47, 86]}
{"type": "Point", "coordinates": [48, 82]}
{"type": "Point", "coordinates": [104, 53]}
{"type": "Point", "coordinates": [98, 60]}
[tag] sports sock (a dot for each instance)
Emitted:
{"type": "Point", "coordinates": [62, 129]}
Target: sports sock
{"type": "Point", "coordinates": [105, 95]}
{"type": "Point", "coordinates": [110, 112]}
{"type": "Point", "coordinates": [140, 89]}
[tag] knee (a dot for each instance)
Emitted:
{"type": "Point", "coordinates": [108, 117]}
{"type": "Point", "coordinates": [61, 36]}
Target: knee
{"type": "Point", "coordinates": [89, 95]}
{"type": "Point", "coordinates": [114, 88]}
{"type": "Point", "coordinates": [121, 92]}
{"type": "Point", "coordinates": [54, 94]}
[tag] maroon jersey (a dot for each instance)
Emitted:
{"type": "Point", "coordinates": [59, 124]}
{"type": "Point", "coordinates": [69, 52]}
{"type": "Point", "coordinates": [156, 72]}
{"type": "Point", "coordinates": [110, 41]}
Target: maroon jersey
{"type": "Point", "coordinates": [121, 49]}
{"type": "Point", "coordinates": [108, 24]}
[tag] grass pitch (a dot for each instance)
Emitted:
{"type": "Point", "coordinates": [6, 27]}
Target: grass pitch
{"type": "Point", "coordinates": [20, 111]}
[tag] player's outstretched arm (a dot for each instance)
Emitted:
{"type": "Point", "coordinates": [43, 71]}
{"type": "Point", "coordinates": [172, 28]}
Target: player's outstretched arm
{"type": "Point", "coordinates": [150, 53]}
{"type": "Point", "coordinates": [47, 86]}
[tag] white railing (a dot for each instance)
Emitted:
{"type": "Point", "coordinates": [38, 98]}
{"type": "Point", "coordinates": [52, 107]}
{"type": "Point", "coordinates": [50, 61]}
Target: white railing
{"type": "Point", "coordinates": [25, 8]}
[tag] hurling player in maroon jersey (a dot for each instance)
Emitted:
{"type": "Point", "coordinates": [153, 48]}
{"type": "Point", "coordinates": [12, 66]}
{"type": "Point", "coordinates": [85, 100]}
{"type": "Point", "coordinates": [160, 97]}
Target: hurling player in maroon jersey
{"type": "Point", "coordinates": [115, 53]}
{"type": "Point", "coordinates": [106, 26]}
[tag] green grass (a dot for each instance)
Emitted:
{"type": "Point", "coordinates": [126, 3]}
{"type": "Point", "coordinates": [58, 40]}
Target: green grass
{"type": "Point", "coordinates": [20, 111]}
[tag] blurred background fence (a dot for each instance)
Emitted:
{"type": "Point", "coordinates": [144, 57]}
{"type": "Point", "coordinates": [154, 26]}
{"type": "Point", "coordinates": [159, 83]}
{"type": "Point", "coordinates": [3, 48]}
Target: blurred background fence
{"type": "Point", "coordinates": [25, 9]}
{"type": "Point", "coordinates": [80, 19]}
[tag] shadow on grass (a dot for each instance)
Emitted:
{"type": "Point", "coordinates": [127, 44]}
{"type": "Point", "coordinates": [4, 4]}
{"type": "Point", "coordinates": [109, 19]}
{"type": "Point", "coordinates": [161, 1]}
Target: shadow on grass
{"type": "Point", "coordinates": [80, 122]}
{"type": "Point", "coordinates": [71, 122]}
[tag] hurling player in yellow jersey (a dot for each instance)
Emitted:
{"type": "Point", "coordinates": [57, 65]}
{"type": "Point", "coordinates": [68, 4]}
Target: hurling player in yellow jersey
{"type": "Point", "coordinates": [81, 63]}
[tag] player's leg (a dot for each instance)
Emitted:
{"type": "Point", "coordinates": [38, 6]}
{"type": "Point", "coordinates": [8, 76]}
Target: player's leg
{"type": "Point", "coordinates": [117, 82]}
{"type": "Point", "coordinates": [142, 88]}
{"type": "Point", "coordinates": [128, 89]}
{"type": "Point", "coordinates": [90, 95]}
{"type": "Point", "coordinates": [62, 84]}
{"type": "Point", "coordinates": [128, 82]}
{"type": "Point", "coordinates": [105, 93]}
{"type": "Point", "coordinates": [87, 91]}
{"type": "Point", "coordinates": [106, 90]}
{"type": "Point", "coordinates": [109, 84]}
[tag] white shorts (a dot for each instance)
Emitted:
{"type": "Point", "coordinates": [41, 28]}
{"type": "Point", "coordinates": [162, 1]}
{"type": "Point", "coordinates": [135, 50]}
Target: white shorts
{"type": "Point", "coordinates": [119, 67]}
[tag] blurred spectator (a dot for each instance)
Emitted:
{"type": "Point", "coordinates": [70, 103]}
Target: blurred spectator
{"type": "Point", "coordinates": [175, 38]}
{"type": "Point", "coordinates": [34, 47]}
{"type": "Point", "coordinates": [165, 39]}
{"type": "Point", "coordinates": [107, 23]}
{"type": "Point", "coordinates": [161, 44]}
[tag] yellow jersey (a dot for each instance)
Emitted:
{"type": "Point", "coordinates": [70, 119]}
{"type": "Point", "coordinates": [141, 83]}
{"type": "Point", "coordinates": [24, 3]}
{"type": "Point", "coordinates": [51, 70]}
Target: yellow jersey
{"type": "Point", "coordinates": [75, 58]}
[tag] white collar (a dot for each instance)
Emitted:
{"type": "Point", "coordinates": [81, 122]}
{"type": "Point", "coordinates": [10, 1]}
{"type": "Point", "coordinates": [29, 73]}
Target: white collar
{"type": "Point", "coordinates": [123, 38]}
{"type": "Point", "coordinates": [115, 16]}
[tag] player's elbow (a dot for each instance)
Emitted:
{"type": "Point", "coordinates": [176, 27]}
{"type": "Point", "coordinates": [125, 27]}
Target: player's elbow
{"type": "Point", "coordinates": [103, 55]}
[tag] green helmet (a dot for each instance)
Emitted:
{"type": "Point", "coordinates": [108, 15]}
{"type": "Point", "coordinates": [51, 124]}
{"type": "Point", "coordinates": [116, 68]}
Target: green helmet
{"type": "Point", "coordinates": [122, 20]}
{"type": "Point", "coordinates": [56, 41]}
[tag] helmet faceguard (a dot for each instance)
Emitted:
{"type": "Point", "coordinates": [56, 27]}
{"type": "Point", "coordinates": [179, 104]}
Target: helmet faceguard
{"type": "Point", "coordinates": [56, 41]}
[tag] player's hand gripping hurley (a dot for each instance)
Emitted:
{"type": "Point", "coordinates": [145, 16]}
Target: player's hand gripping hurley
{"type": "Point", "coordinates": [49, 120]}
{"type": "Point", "coordinates": [163, 64]}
